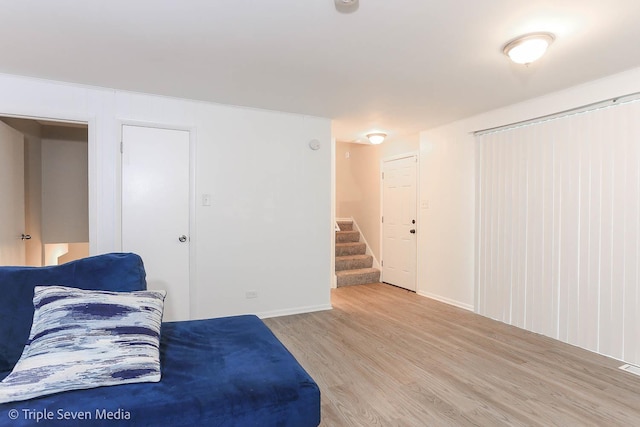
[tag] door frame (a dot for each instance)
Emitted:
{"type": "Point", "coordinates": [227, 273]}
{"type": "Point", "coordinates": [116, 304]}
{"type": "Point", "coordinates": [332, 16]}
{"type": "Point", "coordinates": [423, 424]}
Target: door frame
{"type": "Point", "coordinates": [415, 154]}
{"type": "Point", "coordinates": [13, 159]}
{"type": "Point", "coordinates": [92, 157]}
{"type": "Point", "coordinates": [192, 196]}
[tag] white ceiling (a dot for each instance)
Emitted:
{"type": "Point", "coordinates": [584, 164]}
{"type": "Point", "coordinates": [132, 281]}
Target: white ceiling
{"type": "Point", "coordinates": [392, 66]}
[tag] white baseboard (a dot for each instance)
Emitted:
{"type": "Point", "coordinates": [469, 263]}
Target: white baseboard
{"type": "Point", "coordinates": [291, 311]}
{"type": "Point", "coordinates": [455, 303]}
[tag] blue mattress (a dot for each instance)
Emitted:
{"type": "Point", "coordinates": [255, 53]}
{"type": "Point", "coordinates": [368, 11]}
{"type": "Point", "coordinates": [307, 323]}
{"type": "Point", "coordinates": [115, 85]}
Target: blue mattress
{"type": "Point", "coordinates": [229, 371]}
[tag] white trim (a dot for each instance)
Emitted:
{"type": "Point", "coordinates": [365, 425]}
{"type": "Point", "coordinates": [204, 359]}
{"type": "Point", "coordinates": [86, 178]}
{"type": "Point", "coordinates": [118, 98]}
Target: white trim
{"type": "Point", "coordinates": [632, 369]}
{"type": "Point", "coordinates": [611, 102]}
{"type": "Point", "coordinates": [193, 235]}
{"type": "Point", "coordinates": [155, 125]}
{"type": "Point", "coordinates": [48, 115]}
{"type": "Point", "coordinates": [92, 172]}
{"type": "Point", "coordinates": [332, 263]}
{"type": "Point", "coordinates": [399, 157]}
{"type": "Point", "coordinates": [291, 311]}
{"type": "Point", "coordinates": [445, 300]}
{"type": "Point", "coordinates": [416, 155]}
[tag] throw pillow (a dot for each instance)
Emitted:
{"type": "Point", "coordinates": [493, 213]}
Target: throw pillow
{"type": "Point", "coordinates": [83, 339]}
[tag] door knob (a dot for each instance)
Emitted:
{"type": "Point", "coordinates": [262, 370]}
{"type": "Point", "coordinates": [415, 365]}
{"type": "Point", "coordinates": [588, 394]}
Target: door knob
{"type": "Point", "coordinates": [412, 231]}
{"type": "Point", "coordinates": [182, 238]}
{"type": "Point", "coordinates": [26, 237]}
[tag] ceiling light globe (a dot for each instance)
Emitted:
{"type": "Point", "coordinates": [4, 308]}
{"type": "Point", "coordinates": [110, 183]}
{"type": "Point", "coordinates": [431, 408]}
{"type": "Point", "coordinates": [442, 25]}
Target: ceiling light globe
{"type": "Point", "coordinates": [529, 48]}
{"type": "Point", "coordinates": [376, 138]}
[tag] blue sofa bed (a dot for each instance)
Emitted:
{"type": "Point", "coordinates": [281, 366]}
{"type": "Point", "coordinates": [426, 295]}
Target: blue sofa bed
{"type": "Point", "coordinates": [228, 371]}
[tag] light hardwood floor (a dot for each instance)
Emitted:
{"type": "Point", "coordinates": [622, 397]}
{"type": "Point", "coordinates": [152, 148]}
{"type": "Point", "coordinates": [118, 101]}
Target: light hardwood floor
{"type": "Point", "coordinates": [388, 357]}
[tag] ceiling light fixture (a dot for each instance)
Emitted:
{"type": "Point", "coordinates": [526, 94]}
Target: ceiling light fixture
{"type": "Point", "coordinates": [526, 49]}
{"type": "Point", "coordinates": [376, 138]}
{"type": "Point", "coordinates": [346, 6]}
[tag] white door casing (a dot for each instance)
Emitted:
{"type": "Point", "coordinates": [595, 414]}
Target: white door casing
{"type": "Point", "coordinates": [12, 210]}
{"type": "Point", "coordinates": [155, 210]}
{"type": "Point", "coordinates": [399, 217]}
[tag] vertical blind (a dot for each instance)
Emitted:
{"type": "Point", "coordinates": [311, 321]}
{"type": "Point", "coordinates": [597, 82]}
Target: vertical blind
{"type": "Point", "coordinates": [558, 228]}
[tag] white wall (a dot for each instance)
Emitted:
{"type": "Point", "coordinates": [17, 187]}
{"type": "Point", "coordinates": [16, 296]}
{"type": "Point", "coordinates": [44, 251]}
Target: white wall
{"type": "Point", "coordinates": [270, 224]}
{"type": "Point", "coordinates": [446, 216]}
{"type": "Point", "coordinates": [448, 177]}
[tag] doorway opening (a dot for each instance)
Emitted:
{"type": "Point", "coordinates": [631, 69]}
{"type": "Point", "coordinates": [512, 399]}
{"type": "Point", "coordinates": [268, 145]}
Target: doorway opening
{"type": "Point", "coordinates": [46, 180]}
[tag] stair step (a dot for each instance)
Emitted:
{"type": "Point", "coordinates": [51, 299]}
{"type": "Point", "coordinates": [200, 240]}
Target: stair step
{"type": "Point", "coordinates": [351, 248]}
{"type": "Point", "coordinates": [347, 236]}
{"type": "Point", "coordinates": [358, 276]}
{"type": "Point", "coordinates": [352, 262]}
{"type": "Point", "coordinates": [345, 225]}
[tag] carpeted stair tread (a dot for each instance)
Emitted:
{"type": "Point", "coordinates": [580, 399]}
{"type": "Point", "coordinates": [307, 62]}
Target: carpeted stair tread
{"type": "Point", "coordinates": [347, 236]}
{"type": "Point", "coordinates": [351, 262]}
{"type": "Point", "coordinates": [358, 276]}
{"type": "Point", "coordinates": [357, 271]}
{"type": "Point", "coordinates": [350, 248]}
{"type": "Point", "coordinates": [345, 225]}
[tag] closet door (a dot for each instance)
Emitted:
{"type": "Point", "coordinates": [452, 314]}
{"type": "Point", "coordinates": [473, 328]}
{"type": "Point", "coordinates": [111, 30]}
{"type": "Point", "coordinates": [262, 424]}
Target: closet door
{"type": "Point", "coordinates": [156, 212]}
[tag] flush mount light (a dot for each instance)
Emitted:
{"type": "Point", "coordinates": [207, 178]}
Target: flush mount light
{"type": "Point", "coordinates": [376, 138]}
{"type": "Point", "coordinates": [526, 49]}
{"type": "Point", "coordinates": [346, 6]}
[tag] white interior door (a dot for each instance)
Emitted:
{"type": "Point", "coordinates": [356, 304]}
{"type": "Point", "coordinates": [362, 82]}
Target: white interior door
{"type": "Point", "coordinates": [399, 228]}
{"type": "Point", "coordinates": [12, 247]}
{"type": "Point", "coordinates": [155, 210]}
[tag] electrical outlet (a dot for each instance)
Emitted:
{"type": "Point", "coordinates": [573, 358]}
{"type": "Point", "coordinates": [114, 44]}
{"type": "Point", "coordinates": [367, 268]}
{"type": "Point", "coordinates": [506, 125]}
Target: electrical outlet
{"type": "Point", "coordinates": [251, 294]}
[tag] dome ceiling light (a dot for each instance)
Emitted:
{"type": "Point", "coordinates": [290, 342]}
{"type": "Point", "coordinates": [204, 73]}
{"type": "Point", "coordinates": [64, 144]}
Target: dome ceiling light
{"type": "Point", "coordinates": [376, 138]}
{"type": "Point", "coordinates": [528, 48]}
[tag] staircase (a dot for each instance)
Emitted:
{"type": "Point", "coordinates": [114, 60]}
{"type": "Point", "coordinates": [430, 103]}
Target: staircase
{"type": "Point", "coordinates": [353, 266]}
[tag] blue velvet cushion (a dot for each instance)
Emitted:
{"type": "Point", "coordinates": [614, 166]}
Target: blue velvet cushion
{"type": "Point", "coordinates": [230, 372]}
{"type": "Point", "coordinates": [112, 272]}
{"type": "Point", "coordinates": [84, 339]}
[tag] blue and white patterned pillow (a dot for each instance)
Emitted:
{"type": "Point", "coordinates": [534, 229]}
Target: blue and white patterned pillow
{"type": "Point", "coordinates": [84, 339]}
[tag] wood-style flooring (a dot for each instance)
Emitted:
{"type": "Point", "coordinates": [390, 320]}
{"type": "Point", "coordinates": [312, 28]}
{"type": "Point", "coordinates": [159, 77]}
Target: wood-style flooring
{"type": "Point", "coordinates": [388, 357]}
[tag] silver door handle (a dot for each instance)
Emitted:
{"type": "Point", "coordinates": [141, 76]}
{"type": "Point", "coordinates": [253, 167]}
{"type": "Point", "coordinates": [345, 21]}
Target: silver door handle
{"type": "Point", "coordinates": [182, 238]}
